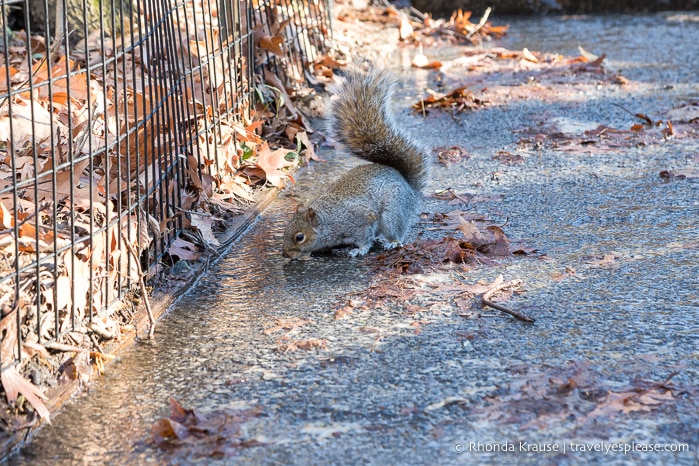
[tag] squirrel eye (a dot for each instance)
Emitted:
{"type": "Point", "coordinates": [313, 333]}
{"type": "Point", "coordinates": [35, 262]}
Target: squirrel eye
{"type": "Point", "coordinates": [300, 237]}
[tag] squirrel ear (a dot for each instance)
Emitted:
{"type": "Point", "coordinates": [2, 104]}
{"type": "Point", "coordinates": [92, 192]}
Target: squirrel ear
{"type": "Point", "coordinates": [311, 216]}
{"type": "Point", "coordinates": [300, 209]}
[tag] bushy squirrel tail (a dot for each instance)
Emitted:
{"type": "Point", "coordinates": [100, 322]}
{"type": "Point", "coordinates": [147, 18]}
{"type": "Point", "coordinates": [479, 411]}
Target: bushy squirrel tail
{"type": "Point", "coordinates": [360, 120]}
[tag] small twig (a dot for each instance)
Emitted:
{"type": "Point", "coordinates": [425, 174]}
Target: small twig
{"type": "Point", "coordinates": [499, 285]}
{"type": "Point", "coordinates": [96, 343]}
{"type": "Point", "coordinates": [454, 33]}
{"type": "Point", "coordinates": [63, 347]}
{"type": "Point", "coordinates": [640, 116]}
{"type": "Point", "coordinates": [144, 291]}
{"type": "Point", "coordinates": [417, 13]}
{"type": "Point", "coordinates": [106, 335]}
{"type": "Point", "coordinates": [460, 197]}
{"type": "Point", "coordinates": [480, 24]}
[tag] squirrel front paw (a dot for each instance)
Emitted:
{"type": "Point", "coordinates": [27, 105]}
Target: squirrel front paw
{"type": "Point", "coordinates": [387, 244]}
{"type": "Point", "coordinates": [360, 251]}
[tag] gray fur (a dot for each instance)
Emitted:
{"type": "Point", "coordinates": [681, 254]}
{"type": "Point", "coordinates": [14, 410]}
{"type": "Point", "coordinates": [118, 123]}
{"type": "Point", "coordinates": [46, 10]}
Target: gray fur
{"type": "Point", "coordinates": [371, 203]}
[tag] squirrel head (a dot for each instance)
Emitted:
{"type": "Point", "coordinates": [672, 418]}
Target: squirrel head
{"type": "Point", "coordinates": [300, 234]}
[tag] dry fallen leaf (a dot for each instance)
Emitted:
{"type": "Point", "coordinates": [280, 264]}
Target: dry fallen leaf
{"type": "Point", "coordinates": [459, 99]}
{"type": "Point", "coordinates": [273, 44]}
{"type": "Point", "coordinates": [406, 29]}
{"type": "Point", "coordinates": [204, 224]}
{"type": "Point", "coordinates": [273, 162]}
{"type": "Point", "coordinates": [14, 383]}
{"type": "Point", "coordinates": [527, 55]}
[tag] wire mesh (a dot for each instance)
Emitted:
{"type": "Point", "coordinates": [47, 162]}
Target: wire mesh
{"type": "Point", "coordinates": [110, 110]}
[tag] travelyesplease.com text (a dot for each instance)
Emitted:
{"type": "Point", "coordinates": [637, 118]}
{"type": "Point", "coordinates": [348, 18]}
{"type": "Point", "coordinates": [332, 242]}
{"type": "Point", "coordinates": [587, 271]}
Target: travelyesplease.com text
{"type": "Point", "coordinates": [569, 447]}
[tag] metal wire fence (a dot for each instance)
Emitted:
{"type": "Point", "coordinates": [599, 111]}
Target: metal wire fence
{"type": "Point", "coordinates": [111, 111]}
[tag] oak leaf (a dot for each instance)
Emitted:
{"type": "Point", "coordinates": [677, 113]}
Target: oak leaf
{"type": "Point", "coordinates": [273, 162]}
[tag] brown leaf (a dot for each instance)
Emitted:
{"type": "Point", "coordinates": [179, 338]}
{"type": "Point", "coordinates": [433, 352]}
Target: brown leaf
{"type": "Point", "coordinates": [426, 254]}
{"type": "Point", "coordinates": [182, 415]}
{"type": "Point", "coordinates": [24, 113]}
{"type": "Point", "coordinates": [32, 349]}
{"type": "Point", "coordinates": [679, 174]}
{"type": "Point", "coordinates": [291, 323]}
{"type": "Point", "coordinates": [204, 224]}
{"type": "Point", "coordinates": [560, 276]}
{"type": "Point", "coordinates": [310, 153]}
{"type": "Point", "coordinates": [306, 345]}
{"type": "Point", "coordinates": [451, 155]}
{"type": "Point", "coordinates": [421, 61]}
{"type": "Point", "coordinates": [668, 131]}
{"type": "Point", "coordinates": [471, 233]}
{"type": "Point", "coordinates": [588, 56]}
{"type": "Point", "coordinates": [459, 99]}
{"type": "Point", "coordinates": [14, 383]}
{"type": "Point", "coordinates": [501, 245]}
{"type": "Point", "coordinates": [252, 175]}
{"type": "Point", "coordinates": [685, 114]}
{"type": "Point", "coordinates": [598, 61]}
{"type": "Point", "coordinates": [330, 62]}
{"type": "Point", "coordinates": [272, 44]}
{"type": "Point", "coordinates": [627, 402]}
{"type": "Point", "coordinates": [274, 81]}
{"type": "Point", "coordinates": [184, 254]}
{"type": "Point", "coordinates": [230, 188]}
{"type": "Point", "coordinates": [509, 158]}
{"type": "Point", "coordinates": [272, 163]}
{"type": "Point", "coordinates": [165, 430]}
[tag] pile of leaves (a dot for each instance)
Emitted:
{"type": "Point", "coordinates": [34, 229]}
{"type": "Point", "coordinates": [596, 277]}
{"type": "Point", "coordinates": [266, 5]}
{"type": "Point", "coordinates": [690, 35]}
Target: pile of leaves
{"type": "Point", "coordinates": [421, 28]}
{"type": "Point", "coordinates": [456, 101]}
{"type": "Point", "coordinates": [602, 139]}
{"type": "Point", "coordinates": [400, 273]}
{"type": "Point", "coordinates": [577, 395]}
{"type": "Point", "coordinates": [416, 27]}
{"type": "Point", "coordinates": [504, 75]}
{"type": "Point", "coordinates": [188, 435]}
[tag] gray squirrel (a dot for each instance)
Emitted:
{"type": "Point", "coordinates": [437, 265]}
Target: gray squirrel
{"type": "Point", "coordinates": [376, 202]}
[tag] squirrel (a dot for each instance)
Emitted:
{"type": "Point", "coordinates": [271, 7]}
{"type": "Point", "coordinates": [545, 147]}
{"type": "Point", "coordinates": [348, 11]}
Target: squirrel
{"type": "Point", "coordinates": [376, 202]}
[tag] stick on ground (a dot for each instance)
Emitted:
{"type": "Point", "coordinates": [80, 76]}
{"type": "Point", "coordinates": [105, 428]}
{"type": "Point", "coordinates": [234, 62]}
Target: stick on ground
{"type": "Point", "coordinates": [499, 285]}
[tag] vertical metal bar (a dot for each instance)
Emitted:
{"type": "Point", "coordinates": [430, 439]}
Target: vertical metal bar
{"type": "Point", "coordinates": [106, 168]}
{"type": "Point", "coordinates": [250, 52]}
{"type": "Point", "coordinates": [184, 118]}
{"type": "Point", "coordinates": [137, 46]}
{"type": "Point", "coordinates": [226, 44]}
{"type": "Point", "coordinates": [54, 193]}
{"type": "Point", "coordinates": [70, 152]}
{"type": "Point", "coordinates": [187, 85]}
{"type": "Point", "coordinates": [176, 121]}
{"type": "Point", "coordinates": [167, 113]}
{"type": "Point", "coordinates": [15, 197]}
{"type": "Point", "coordinates": [118, 47]}
{"type": "Point", "coordinates": [35, 186]}
{"type": "Point", "coordinates": [123, 145]}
